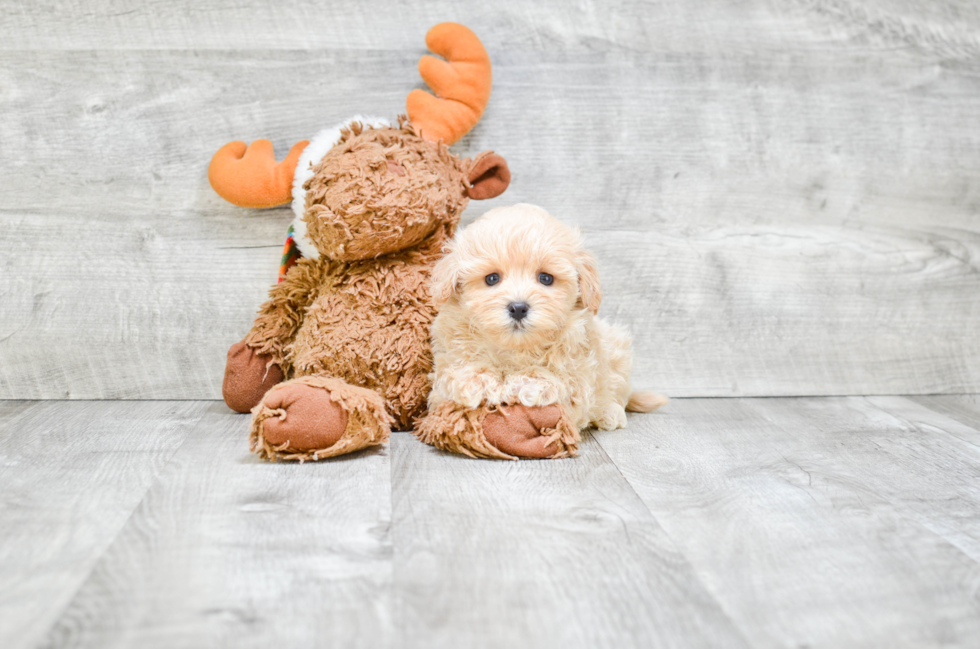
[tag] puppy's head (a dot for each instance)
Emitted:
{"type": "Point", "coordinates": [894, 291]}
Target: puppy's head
{"type": "Point", "coordinates": [517, 275]}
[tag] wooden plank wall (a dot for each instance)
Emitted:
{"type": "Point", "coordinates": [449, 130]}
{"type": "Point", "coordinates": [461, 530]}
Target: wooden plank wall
{"type": "Point", "coordinates": [784, 196]}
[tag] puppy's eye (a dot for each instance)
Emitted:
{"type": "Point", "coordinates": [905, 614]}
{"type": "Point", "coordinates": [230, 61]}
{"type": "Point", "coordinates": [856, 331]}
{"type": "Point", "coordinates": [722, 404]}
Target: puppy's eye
{"type": "Point", "coordinates": [546, 279]}
{"type": "Point", "coordinates": [491, 279]}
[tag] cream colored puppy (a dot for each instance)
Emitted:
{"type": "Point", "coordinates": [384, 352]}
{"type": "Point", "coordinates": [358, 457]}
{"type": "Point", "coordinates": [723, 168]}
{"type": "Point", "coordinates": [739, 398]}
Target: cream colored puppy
{"type": "Point", "coordinates": [517, 323]}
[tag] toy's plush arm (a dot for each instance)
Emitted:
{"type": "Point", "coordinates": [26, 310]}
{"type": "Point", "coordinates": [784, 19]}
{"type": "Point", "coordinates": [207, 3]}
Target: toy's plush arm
{"type": "Point", "coordinates": [281, 316]}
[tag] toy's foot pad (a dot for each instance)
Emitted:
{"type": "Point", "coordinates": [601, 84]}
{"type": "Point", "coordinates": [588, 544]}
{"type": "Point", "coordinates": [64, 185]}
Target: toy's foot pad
{"type": "Point", "coordinates": [248, 376]}
{"type": "Point", "coordinates": [504, 432]}
{"type": "Point", "coordinates": [311, 418]}
{"type": "Point", "coordinates": [521, 431]}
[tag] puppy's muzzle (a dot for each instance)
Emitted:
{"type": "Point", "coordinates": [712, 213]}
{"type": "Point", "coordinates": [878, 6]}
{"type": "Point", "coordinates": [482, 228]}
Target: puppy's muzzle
{"type": "Point", "coordinates": [518, 310]}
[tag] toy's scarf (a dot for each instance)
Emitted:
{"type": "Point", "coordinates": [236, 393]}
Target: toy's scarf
{"type": "Point", "coordinates": [290, 254]}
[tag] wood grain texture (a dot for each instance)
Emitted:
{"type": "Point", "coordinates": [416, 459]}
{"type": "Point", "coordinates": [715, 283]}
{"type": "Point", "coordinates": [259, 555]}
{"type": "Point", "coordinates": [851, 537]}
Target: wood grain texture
{"type": "Point", "coordinates": [947, 26]}
{"type": "Point", "coordinates": [228, 551]}
{"type": "Point", "coordinates": [133, 308]}
{"type": "Point", "coordinates": [537, 554]}
{"type": "Point", "coordinates": [932, 471]}
{"type": "Point", "coordinates": [783, 196]}
{"type": "Point", "coordinates": [12, 409]}
{"type": "Point", "coordinates": [71, 475]}
{"type": "Point", "coordinates": [818, 522]}
{"type": "Point", "coordinates": [964, 408]}
{"type": "Point", "coordinates": [806, 309]}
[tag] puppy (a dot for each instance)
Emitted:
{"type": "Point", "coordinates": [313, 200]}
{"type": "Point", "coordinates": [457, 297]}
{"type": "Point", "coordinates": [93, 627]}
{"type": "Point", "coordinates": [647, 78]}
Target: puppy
{"type": "Point", "coordinates": [517, 323]}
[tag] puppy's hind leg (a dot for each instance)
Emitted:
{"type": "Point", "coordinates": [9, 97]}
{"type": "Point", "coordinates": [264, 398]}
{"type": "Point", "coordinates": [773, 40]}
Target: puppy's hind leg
{"type": "Point", "coordinates": [618, 357]}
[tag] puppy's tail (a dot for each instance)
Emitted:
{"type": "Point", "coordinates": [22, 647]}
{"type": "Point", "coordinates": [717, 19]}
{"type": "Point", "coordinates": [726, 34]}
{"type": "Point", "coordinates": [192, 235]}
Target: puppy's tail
{"type": "Point", "coordinates": [643, 401]}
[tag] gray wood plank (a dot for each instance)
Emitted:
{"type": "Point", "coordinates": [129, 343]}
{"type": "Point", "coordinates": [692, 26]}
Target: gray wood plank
{"type": "Point", "coordinates": [152, 315]}
{"type": "Point", "coordinates": [228, 551]}
{"type": "Point", "coordinates": [10, 410]}
{"type": "Point", "coordinates": [795, 309]}
{"type": "Point", "coordinates": [70, 476]}
{"type": "Point", "coordinates": [964, 408]}
{"type": "Point", "coordinates": [931, 469]}
{"type": "Point", "coordinates": [662, 139]}
{"type": "Point", "coordinates": [776, 311]}
{"type": "Point", "coordinates": [537, 554]}
{"type": "Point", "coordinates": [817, 522]}
{"type": "Point", "coordinates": [947, 26]}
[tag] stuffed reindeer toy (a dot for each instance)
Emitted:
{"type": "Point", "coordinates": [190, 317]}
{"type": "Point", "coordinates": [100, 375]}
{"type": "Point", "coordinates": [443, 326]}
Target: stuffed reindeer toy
{"type": "Point", "coordinates": [340, 352]}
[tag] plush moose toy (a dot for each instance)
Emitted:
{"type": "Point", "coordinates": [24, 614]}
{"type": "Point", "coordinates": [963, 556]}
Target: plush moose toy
{"type": "Point", "coordinates": [341, 351]}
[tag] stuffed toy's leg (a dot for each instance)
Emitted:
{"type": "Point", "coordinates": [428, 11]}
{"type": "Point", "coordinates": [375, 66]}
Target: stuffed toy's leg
{"type": "Point", "coordinates": [500, 432]}
{"type": "Point", "coordinates": [315, 417]}
{"type": "Point", "coordinates": [248, 376]}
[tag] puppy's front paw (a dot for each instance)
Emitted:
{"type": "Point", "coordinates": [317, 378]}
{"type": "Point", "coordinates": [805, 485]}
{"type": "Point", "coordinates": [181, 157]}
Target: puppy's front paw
{"type": "Point", "coordinates": [530, 391]}
{"type": "Point", "coordinates": [466, 386]}
{"type": "Point", "coordinates": [612, 417]}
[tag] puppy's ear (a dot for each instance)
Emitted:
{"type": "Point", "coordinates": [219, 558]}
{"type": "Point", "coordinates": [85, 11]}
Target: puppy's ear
{"type": "Point", "coordinates": [589, 293]}
{"type": "Point", "coordinates": [445, 278]}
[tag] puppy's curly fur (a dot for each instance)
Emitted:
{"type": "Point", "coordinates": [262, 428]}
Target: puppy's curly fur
{"type": "Point", "coordinates": [558, 353]}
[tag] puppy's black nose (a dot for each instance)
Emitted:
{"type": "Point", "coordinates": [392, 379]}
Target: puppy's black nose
{"type": "Point", "coordinates": [518, 310]}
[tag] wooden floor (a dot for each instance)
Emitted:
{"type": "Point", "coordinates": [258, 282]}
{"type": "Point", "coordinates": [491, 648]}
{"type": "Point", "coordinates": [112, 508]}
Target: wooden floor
{"type": "Point", "coordinates": [782, 522]}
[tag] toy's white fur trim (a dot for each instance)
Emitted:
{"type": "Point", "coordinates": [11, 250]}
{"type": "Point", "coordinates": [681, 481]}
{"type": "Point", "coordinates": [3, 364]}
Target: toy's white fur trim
{"type": "Point", "coordinates": [318, 147]}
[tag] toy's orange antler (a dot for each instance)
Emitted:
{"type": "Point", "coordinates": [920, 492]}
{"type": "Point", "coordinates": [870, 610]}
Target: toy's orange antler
{"type": "Point", "coordinates": [461, 83]}
{"type": "Point", "coordinates": [248, 176]}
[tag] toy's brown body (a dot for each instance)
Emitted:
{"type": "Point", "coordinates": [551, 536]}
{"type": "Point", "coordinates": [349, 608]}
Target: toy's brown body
{"type": "Point", "coordinates": [366, 322]}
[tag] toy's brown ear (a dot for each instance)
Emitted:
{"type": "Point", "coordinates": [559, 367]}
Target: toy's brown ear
{"type": "Point", "coordinates": [589, 292]}
{"type": "Point", "coordinates": [488, 177]}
